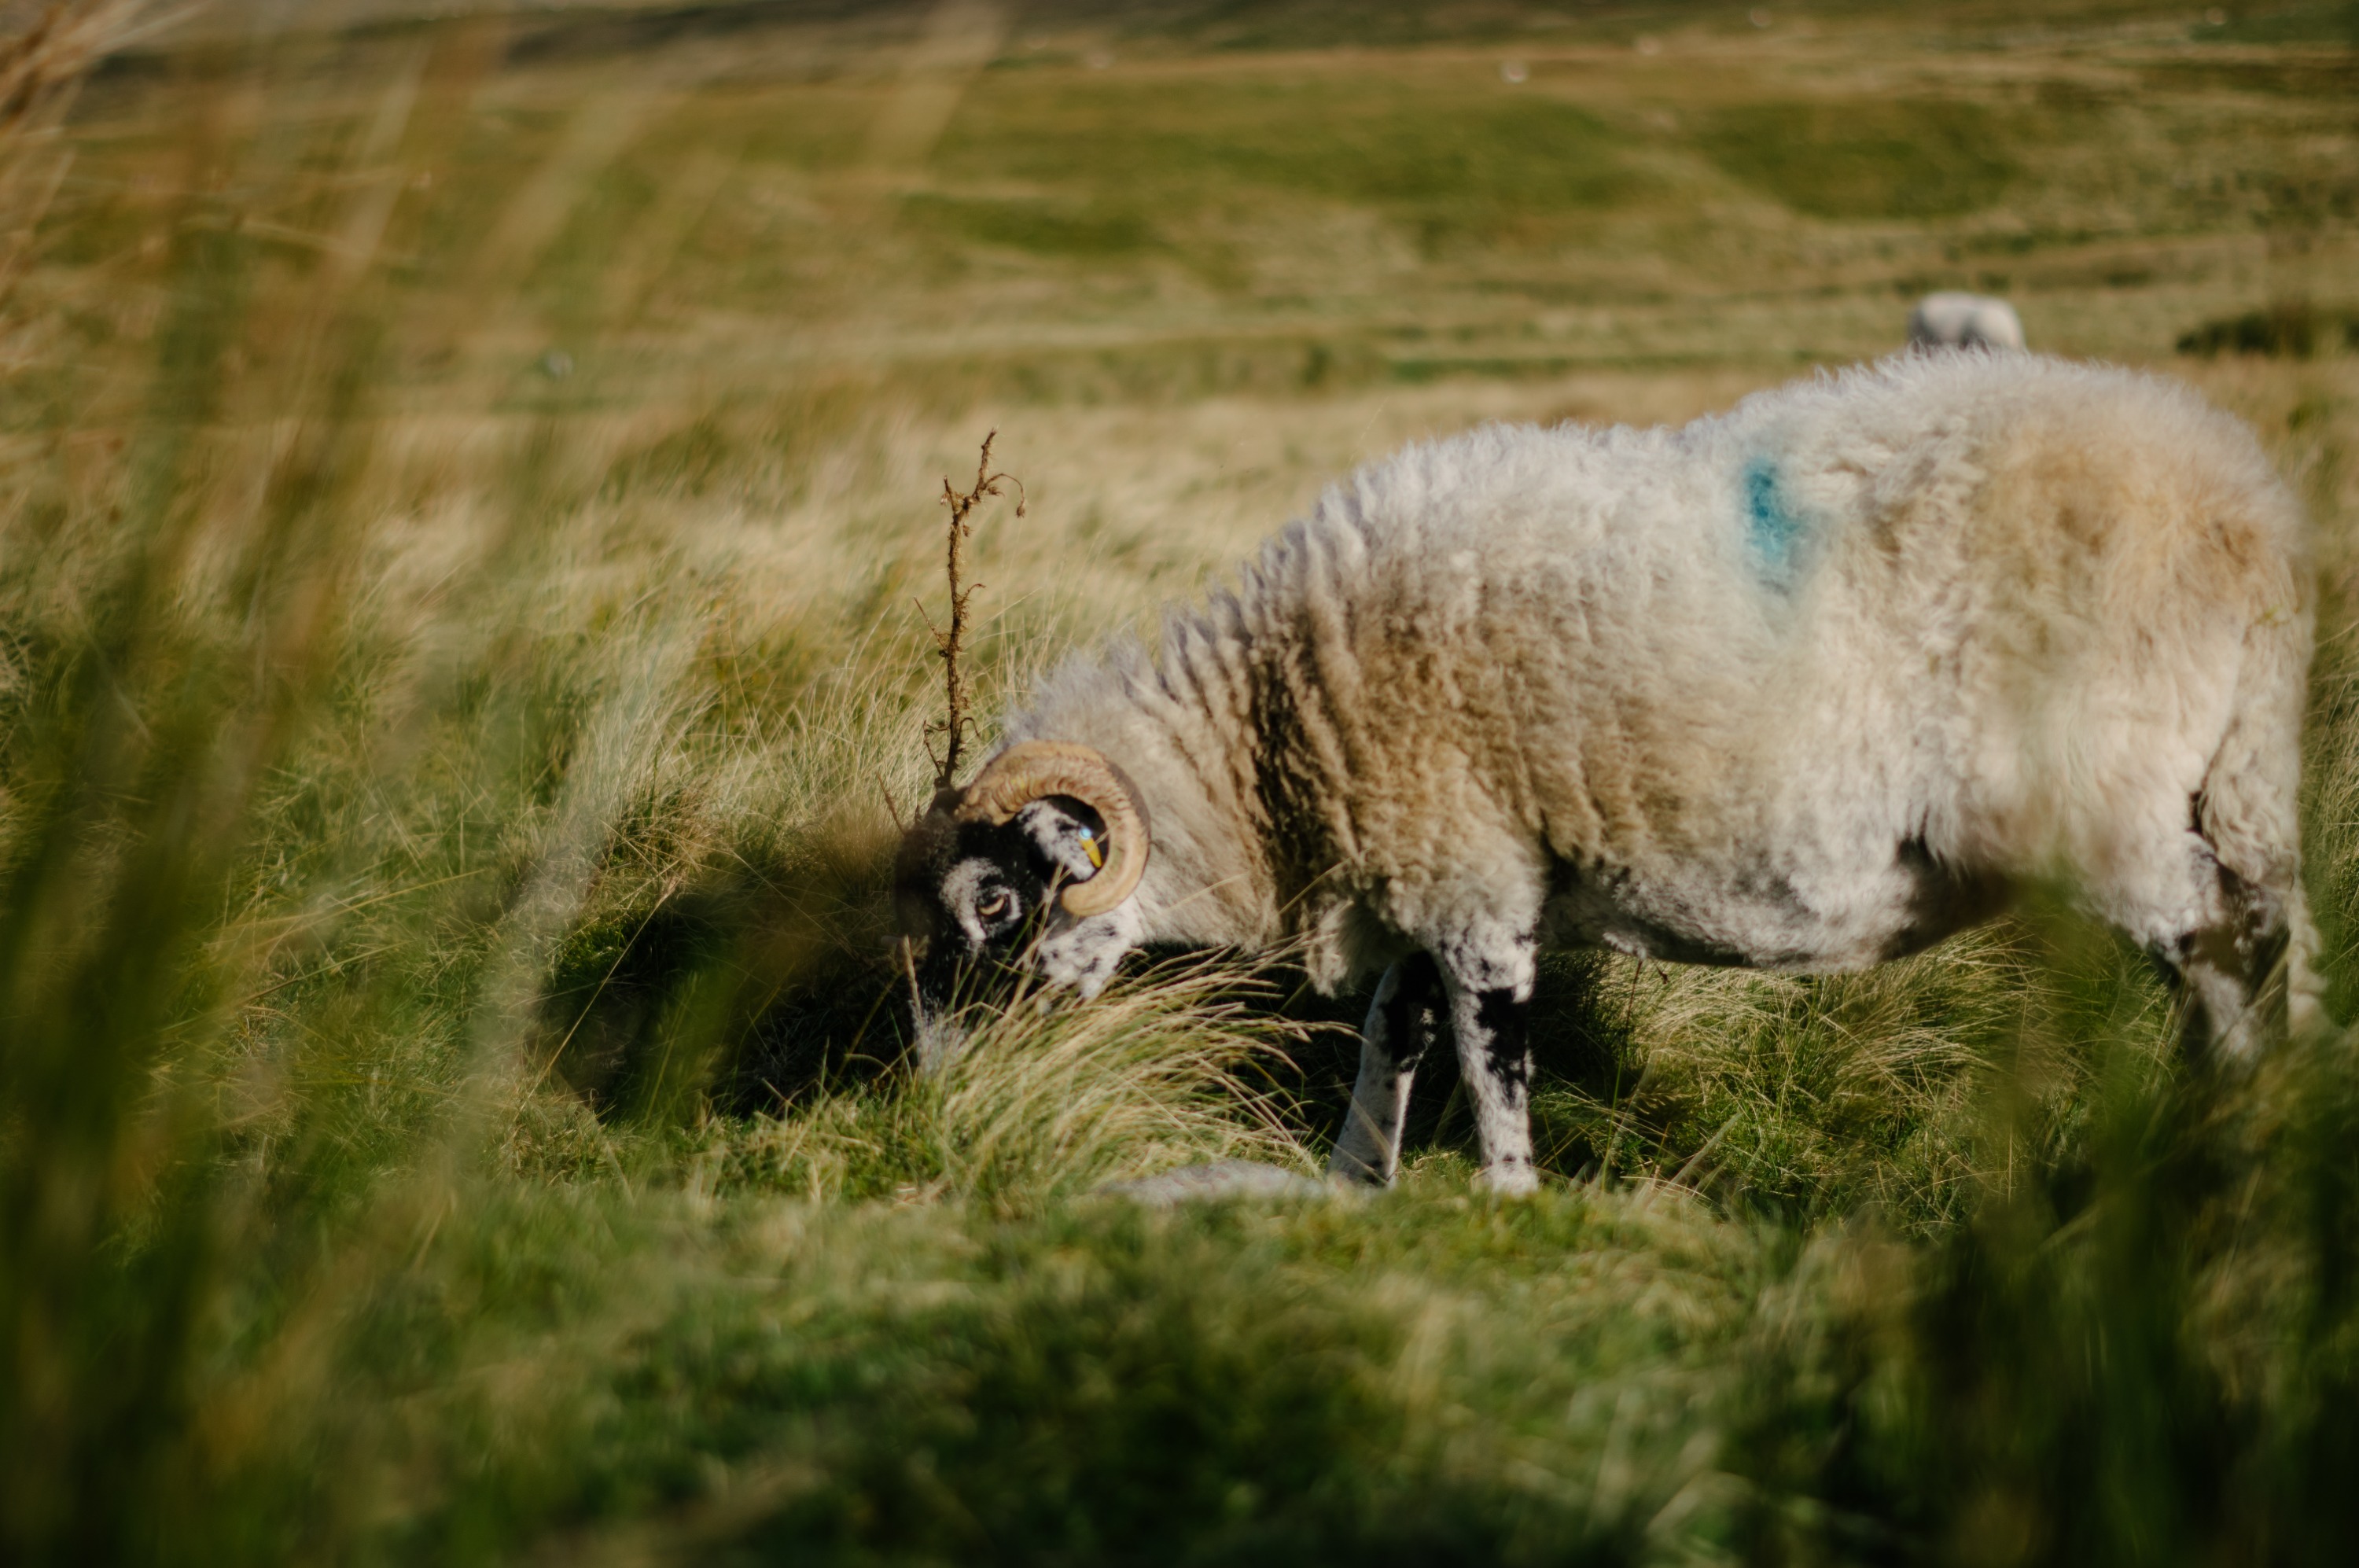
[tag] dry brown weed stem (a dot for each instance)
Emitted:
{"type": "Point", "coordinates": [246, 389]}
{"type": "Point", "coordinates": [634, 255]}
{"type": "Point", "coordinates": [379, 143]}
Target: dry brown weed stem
{"type": "Point", "coordinates": [951, 643]}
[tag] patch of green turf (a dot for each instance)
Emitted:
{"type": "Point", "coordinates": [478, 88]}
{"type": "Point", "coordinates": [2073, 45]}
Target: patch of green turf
{"type": "Point", "coordinates": [1043, 228]}
{"type": "Point", "coordinates": [1865, 159]}
{"type": "Point", "coordinates": [1448, 163]}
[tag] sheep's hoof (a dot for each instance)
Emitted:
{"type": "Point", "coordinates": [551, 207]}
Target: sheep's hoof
{"type": "Point", "coordinates": [1515, 1181]}
{"type": "Point", "coordinates": [1356, 1174]}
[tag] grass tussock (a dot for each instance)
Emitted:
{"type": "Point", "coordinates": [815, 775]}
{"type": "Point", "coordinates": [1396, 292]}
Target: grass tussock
{"type": "Point", "coordinates": [1172, 1072]}
{"type": "Point", "coordinates": [1046, 1101]}
{"type": "Point", "coordinates": [463, 487]}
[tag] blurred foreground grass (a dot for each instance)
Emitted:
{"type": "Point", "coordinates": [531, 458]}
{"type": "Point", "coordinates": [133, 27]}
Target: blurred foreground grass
{"type": "Point", "coordinates": [464, 485]}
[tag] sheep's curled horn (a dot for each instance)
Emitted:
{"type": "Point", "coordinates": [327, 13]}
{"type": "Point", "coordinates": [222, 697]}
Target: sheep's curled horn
{"type": "Point", "coordinates": [1033, 771]}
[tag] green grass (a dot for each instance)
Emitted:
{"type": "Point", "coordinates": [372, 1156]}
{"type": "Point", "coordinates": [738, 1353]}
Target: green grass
{"type": "Point", "coordinates": [461, 495]}
{"type": "Point", "coordinates": [1859, 159]}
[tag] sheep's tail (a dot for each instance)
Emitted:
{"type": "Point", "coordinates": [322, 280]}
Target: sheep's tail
{"type": "Point", "coordinates": [2250, 811]}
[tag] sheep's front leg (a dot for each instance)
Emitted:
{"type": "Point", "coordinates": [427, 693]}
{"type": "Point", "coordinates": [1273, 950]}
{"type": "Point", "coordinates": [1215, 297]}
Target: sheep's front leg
{"type": "Point", "coordinates": [1489, 1012]}
{"type": "Point", "coordinates": [1402, 1023]}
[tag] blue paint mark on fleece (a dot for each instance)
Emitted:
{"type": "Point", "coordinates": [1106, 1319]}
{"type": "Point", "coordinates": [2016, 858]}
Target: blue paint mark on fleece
{"type": "Point", "coordinates": [1772, 528]}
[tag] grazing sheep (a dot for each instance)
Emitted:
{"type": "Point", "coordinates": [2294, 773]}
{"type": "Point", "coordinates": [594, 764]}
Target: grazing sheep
{"type": "Point", "coordinates": [1964, 321]}
{"type": "Point", "coordinates": [1804, 686]}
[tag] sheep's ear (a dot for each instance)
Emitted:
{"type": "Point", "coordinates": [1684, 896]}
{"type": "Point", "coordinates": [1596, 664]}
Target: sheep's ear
{"type": "Point", "coordinates": [1068, 836]}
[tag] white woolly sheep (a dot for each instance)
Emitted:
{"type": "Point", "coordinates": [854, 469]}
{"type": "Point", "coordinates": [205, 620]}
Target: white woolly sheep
{"type": "Point", "coordinates": [1804, 686]}
{"type": "Point", "coordinates": [1964, 321]}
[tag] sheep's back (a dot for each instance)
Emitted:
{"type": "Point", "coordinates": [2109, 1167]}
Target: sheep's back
{"type": "Point", "coordinates": [1953, 603]}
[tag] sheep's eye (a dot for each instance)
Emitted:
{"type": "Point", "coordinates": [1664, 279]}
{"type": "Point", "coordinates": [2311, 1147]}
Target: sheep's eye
{"type": "Point", "coordinates": [991, 906]}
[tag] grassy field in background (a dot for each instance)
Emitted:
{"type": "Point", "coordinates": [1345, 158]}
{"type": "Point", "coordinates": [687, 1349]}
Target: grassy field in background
{"type": "Point", "coordinates": [464, 488]}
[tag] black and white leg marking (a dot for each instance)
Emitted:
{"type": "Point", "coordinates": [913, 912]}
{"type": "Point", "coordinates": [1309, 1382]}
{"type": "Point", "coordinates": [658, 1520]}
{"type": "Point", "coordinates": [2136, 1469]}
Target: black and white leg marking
{"type": "Point", "coordinates": [1403, 1022]}
{"type": "Point", "coordinates": [2231, 973]}
{"type": "Point", "coordinates": [2226, 941]}
{"type": "Point", "coordinates": [1490, 989]}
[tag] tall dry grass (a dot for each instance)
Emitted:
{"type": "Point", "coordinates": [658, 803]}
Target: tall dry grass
{"type": "Point", "coordinates": [1182, 1065]}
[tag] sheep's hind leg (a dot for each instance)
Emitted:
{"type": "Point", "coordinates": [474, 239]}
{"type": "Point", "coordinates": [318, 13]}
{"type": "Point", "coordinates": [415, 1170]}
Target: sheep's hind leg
{"type": "Point", "coordinates": [1490, 1013]}
{"type": "Point", "coordinates": [2242, 946]}
{"type": "Point", "coordinates": [2232, 971]}
{"type": "Point", "coordinates": [1402, 1022]}
{"type": "Point", "coordinates": [2232, 946]}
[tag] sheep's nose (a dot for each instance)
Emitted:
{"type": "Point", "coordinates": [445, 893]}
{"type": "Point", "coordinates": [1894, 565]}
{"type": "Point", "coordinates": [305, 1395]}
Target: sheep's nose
{"type": "Point", "coordinates": [939, 1039]}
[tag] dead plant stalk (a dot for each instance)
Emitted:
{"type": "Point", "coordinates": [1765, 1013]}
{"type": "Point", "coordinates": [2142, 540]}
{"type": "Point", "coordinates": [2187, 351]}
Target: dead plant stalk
{"type": "Point", "coordinates": [951, 644]}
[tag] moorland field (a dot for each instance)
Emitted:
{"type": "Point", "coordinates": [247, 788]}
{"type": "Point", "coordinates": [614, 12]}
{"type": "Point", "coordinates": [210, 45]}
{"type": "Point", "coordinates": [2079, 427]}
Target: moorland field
{"type": "Point", "coordinates": [468, 512]}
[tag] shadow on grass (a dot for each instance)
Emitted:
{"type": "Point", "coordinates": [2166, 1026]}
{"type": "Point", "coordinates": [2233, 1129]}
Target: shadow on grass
{"type": "Point", "coordinates": [753, 986]}
{"type": "Point", "coordinates": [767, 983]}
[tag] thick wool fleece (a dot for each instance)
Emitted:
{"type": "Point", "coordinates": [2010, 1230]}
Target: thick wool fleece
{"type": "Point", "coordinates": [1802, 685]}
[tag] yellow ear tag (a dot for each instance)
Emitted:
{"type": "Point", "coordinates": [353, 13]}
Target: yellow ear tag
{"type": "Point", "coordinates": [1089, 846]}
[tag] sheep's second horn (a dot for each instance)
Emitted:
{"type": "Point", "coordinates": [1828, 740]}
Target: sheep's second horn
{"type": "Point", "coordinates": [1034, 770]}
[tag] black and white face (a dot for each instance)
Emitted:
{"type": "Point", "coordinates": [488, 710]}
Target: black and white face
{"type": "Point", "coordinates": [979, 905]}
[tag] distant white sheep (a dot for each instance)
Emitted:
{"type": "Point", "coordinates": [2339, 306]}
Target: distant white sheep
{"type": "Point", "coordinates": [1804, 686]}
{"type": "Point", "coordinates": [1964, 321]}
